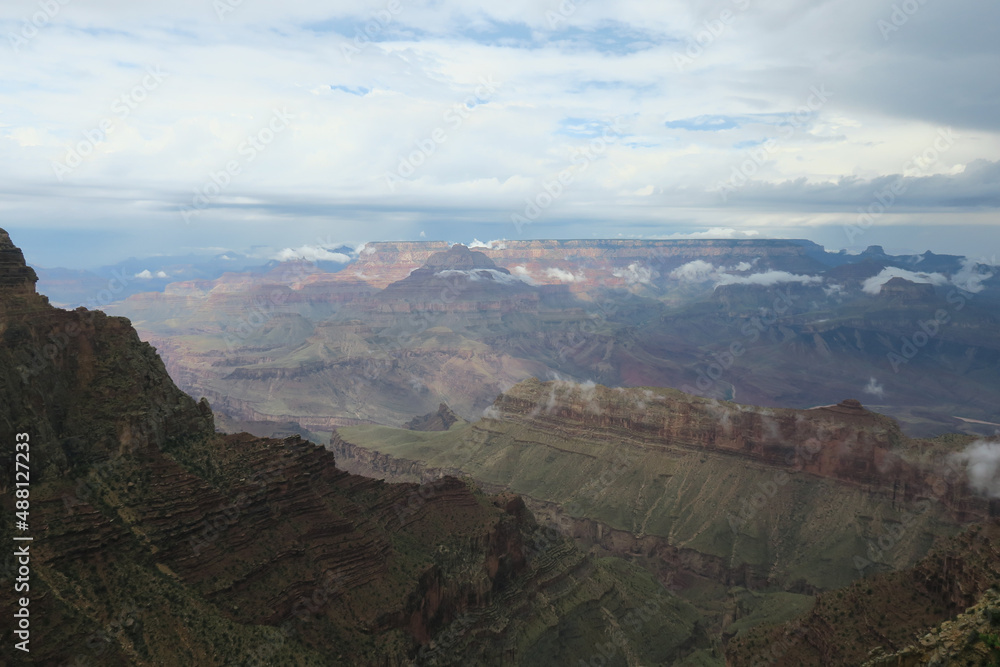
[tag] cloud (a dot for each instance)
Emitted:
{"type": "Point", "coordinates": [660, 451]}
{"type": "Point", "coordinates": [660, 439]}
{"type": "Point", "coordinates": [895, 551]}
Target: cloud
{"type": "Point", "coordinates": [874, 284]}
{"type": "Point", "coordinates": [636, 274]}
{"type": "Point", "coordinates": [524, 274]}
{"type": "Point", "coordinates": [144, 275]}
{"type": "Point", "coordinates": [697, 271]}
{"type": "Point", "coordinates": [971, 276]}
{"type": "Point", "coordinates": [311, 254]}
{"type": "Point", "coordinates": [482, 275]}
{"type": "Point", "coordinates": [700, 271]}
{"type": "Point", "coordinates": [768, 279]}
{"type": "Point", "coordinates": [874, 388]}
{"type": "Point", "coordinates": [982, 466]}
{"type": "Point", "coordinates": [489, 245]}
{"type": "Point", "coordinates": [564, 276]}
{"type": "Point", "coordinates": [887, 106]}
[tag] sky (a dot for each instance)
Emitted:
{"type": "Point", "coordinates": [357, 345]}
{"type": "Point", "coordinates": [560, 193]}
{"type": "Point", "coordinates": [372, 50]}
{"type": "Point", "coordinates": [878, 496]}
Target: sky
{"type": "Point", "coordinates": [135, 128]}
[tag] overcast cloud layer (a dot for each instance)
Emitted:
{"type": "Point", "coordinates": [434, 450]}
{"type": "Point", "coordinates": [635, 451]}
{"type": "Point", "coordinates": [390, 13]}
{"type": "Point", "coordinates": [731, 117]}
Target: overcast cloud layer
{"type": "Point", "coordinates": [134, 128]}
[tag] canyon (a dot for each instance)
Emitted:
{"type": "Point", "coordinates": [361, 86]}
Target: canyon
{"type": "Point", "coordinates": [408, 326]}
{"type": "Point", "coordinates": [161, 542]}
{"type": "Point", "coordinates": [499, 465]}
{"type": "Point", "coordinates": [755, 516]}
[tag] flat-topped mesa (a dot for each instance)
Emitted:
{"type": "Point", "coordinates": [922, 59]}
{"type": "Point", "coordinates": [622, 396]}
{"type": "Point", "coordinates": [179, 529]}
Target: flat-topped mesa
{"type": "Point", "coordinates": [15, 275]}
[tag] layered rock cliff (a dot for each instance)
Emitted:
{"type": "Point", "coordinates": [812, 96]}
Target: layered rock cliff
{"type": "Point", "coordinates": [745, 491]}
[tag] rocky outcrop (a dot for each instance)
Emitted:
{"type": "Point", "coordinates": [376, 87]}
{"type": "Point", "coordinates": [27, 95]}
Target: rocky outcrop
{"type": "Point", "coordinates": [441, 420]}
{"type": "Point", "coordinates": [16, 277]}
{"type": "Point", "coordinates": [877, 618]}
{"type": "Point", "coordinates": [973, 638]}
{"type": "Point", "coordinates": [907, 291]}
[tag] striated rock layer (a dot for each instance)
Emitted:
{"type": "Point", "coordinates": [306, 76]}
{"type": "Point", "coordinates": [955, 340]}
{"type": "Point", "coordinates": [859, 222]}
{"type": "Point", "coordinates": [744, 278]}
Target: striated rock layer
{"type": "Point", "coordinates": [727, 492]}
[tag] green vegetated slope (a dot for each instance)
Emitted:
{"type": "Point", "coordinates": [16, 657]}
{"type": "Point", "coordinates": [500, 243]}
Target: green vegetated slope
{"type": "Point", "coordinates": [746, 512]}
{"type": "Point", "coordinates": [789, 526]}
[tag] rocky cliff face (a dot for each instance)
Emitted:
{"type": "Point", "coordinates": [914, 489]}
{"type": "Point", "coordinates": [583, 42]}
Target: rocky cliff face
{"type": "Point", "coordinates": [16, 277]}
{"type": "Point", "coordinates": [845, 441]}
{"type": "Point", "coordinates": [80, 382]}
{"type": "Point", "coordinates": [158, 542]}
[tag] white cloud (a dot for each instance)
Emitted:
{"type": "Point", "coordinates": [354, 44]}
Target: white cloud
{"type": "Point", "coordinates": [311, 254]}
{"type": "Point", "coordinates": [554, 88]}
{"type": "Point", "coordinates": [982, 466]}
{"type": "Point", "coordinates": [969, 277]}
{"type": "Point", "coordinates": [874, 388]}
{"type": "Point", "coordinates": [524, 274]}
{"type": "Point", "coordinates": [635, 274]}
{"type": "Point", "coordinates": [564, 276]}
{"type": "Point", "coordinates": [874, 284]}
{"type": "Point", "coordinates": [482, 275]}
{"type": "Point", "coordinates": [161, 274]}
{"type": "Point", "coordinates": [489, 245]}
{"type": "Point", "coordinates": [697, 271]}
{"type": "Point", "coordinates": [144, 275]}
{"type": "Point", "coordinates": [700, 271]}
{"type": "Point", "coordinates": [768, 279]}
